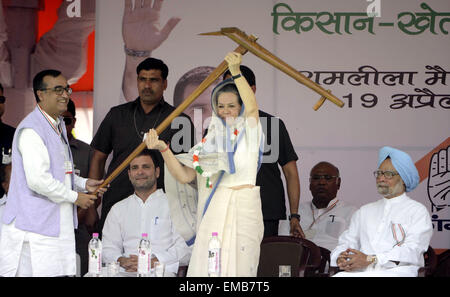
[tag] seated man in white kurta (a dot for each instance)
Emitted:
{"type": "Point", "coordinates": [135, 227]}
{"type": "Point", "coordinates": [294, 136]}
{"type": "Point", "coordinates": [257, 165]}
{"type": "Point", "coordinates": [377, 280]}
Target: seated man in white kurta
{"type": "Point", "coordinates": [146, 211]}
{"type": "Point", "coordinates": [325, 217]}
{"type": "Point", "coordinates": [389, 236]}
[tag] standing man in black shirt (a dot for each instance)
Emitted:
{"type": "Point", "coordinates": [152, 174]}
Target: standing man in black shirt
{"type": "Point", "coordinates": [6, 136]}
{"type": "Point", "coordinates": [269, 176]}
{"type": "Point", "coordinates": [123, 129]}
{"type": "Point", "coordinates": [6, 131]}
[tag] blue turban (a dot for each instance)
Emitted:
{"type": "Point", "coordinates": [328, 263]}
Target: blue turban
{"type": "Point", "coordinates": [403, 164]}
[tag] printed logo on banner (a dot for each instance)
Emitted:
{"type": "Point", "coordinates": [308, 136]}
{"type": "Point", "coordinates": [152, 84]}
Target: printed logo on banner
{"type": "Point", "coordinates": [74, 9]}
{"type": "Point", "coordinates": [439, 188]}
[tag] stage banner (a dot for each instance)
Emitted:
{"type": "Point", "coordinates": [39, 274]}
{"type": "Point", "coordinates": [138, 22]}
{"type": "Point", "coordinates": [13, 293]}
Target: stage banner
{"type": "Point", "coordinates": [47, 34]}
{"type": "Point", "coordinates": [386, 60]}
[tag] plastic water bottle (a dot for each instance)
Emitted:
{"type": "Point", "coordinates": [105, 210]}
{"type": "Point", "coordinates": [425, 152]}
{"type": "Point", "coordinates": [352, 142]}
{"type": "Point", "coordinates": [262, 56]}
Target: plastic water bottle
{"type": "Point", "coordinates": [145, 257]}
{"type": "Point", "coordinates": [214, 256]}
{"type": "Point", "coordinates": [95, 256]}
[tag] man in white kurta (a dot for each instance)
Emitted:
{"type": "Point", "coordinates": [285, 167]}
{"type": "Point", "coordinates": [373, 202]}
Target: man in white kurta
{"type": "Point", "coordinates": [26, 253]}
{"type": "Point", "coordinates": [325, 217]}
{"type": "Point", "coordinates": [323, 226]}
{"type": "Point", "coordinates": [389, 236]}
{"type": "Point", "coordinates": [146, 211]}
{"type": "Point", "coordinates": [36, 164]}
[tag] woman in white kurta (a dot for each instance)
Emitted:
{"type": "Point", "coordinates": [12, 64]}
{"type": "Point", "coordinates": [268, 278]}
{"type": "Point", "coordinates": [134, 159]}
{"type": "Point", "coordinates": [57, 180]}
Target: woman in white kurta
{"type": "Point", "coordinates": [226, 164]}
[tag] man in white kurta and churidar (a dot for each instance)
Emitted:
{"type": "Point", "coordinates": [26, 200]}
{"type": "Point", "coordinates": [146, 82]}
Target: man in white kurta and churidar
{"type": "Point", "coordinates": [325, 217]}
{"type": "Point", "coordinates": [39, 219]}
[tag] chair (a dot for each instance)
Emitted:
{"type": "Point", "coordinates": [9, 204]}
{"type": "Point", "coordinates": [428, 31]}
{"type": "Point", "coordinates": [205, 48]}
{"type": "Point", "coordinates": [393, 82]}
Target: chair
{"type": "Point", "coordinates": [431, 263]}
{"type": "Point", "coordinates": [324, 263]}
{"type": "Point", "coordinates": [182, 271]}
{"type": "Point", "coordinates": [443, 267]}
{"type": "Point", "coordinates": [333, 270]}
{"type": "Point", "coordinates": [301, 254]}
{"type": "Point", "coordinates": [78, 265]}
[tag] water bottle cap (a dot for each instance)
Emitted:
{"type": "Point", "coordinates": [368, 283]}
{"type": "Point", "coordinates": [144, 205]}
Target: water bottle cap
{"type": "Point", "coordinates": [144, 235]}
{"type": "Point", "coordinates": [215, 234]}
{"type": "Point", "coordinates": [95, 235]}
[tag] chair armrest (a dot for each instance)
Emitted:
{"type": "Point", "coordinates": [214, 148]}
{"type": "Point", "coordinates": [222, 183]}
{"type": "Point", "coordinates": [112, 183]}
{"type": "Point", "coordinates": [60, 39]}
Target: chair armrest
{"type": "Point", "coordinates": [182, 271]}
{"type": "Point", "coordinates": [424, 271]}
{"type": "Point", "coordinates": [333, 270]}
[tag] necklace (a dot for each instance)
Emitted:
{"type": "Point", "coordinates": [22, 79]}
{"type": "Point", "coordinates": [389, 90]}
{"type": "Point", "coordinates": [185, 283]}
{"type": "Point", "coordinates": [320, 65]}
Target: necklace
{"type": "Point", "coordinates": [196, 162]}
{"type": "Point", "coordinates": [141, 135]}
{"type": "Point", "coordinates": [56, 127]}
{"type": "Point", "coordinates": [326, 210]}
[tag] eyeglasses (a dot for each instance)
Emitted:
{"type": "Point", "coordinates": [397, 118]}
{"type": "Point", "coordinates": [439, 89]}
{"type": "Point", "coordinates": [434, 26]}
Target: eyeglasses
{"type": "Point", "coordinates": [2, 99]}
{"type": "Point", "coordinates": [68, 120]}
{"type": "Point", "coordinates": [316, 178]}
{"type": "Point", "coordinates": [59, 90]}
{"type": "Point", "coordinates": [386, 174]}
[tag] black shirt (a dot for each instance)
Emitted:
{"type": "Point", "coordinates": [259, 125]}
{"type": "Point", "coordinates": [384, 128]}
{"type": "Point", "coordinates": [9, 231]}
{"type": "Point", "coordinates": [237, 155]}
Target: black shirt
{"type": "Point", "coordinates": [122, 131]}
{"type": "Point", "coordinates": [269, 175]}
{"type": "Point", "coordinates": [6, 139]}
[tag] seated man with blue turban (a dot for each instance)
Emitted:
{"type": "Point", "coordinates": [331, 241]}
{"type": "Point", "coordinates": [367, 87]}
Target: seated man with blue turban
{"type": "Point", "coordinates": [389, 236]}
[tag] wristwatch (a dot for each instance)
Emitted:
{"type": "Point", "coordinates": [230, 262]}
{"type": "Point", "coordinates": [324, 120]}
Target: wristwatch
{"type": "Point", "coordinates": [134, 53]}
{"type": "Point", "coordinates": [294, 215]}
{"type": "Point", "coordinates": [372, 259]}
{"type": "Point", "coordinates": [236, 76]}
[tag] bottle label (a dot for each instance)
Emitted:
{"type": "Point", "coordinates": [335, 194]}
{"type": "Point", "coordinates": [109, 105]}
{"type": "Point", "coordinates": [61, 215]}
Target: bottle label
{"type": "Point", "coordinates": [144, 262]}
{"type": "Point", "coordinates": [95, 261]}
{"type": "Point", "coordinates": [214, 261]}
